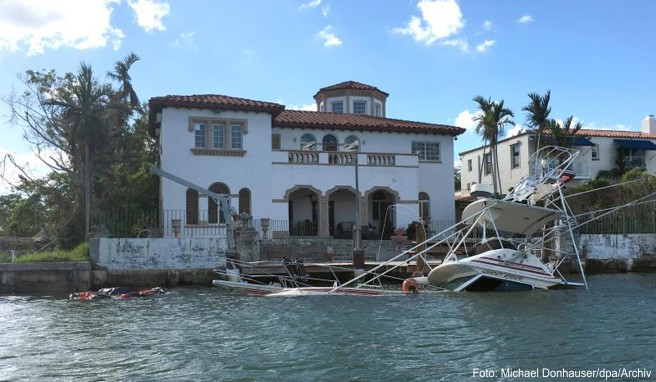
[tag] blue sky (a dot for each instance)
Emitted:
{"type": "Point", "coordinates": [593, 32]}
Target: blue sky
{"type": "Point", "coordinates": [598, 57]}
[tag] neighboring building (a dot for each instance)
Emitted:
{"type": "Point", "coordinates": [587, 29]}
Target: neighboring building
{"type": "Point", "coordinates": [599, 151]}
{"type": "Point", "coordinates": [297, 167]}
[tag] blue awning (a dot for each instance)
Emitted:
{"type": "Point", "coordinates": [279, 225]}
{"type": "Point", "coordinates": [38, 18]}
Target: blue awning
{"type": "Point", "coordinates": [570, 141]}
{"type": "Point", "coordinates": [635, 144]}
{"type": "Point", "coordinates": [582, 141]}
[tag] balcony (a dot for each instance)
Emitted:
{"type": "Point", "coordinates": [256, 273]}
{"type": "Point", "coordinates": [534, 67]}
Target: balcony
{"type": "Point", "coordinates": [340, 158]}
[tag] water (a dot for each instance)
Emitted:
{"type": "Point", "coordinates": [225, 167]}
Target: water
{"type": "Point", "coordinates": [205, 334]}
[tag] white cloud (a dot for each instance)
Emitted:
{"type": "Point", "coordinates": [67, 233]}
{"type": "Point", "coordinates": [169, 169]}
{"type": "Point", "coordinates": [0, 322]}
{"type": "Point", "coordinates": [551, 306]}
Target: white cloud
{"type": "Point", "coordinates": [307, 107]}
{"type": "Point", "coordinates": [35, 25]}
{"type": "Point", "coordinates": [328, 37]}
{"type": "Point", "coordinates": [440, 19]}
{"type": "Point", "coordinates": [525, 19]}
{"type": "Point", "coordinates": [325, 10]}
{"type": "Point", "coordinates": [515, 130]}
{"type": "Point", "coordinates": [465, 120]}
{"type": "Point", "coordinates": [311, 4]}
{"type": "Point", "coordinates": [593, 126]}
{"type": "Point", "coordinates": [150, 13]}
{"type": "Point", "coordinates": [185, 39]}
{"type": "Point", "coordinates": [484, 46]}
{"type": "Point", "coordinates": [487, 25]}
{"type": "Point", "coordinates": [459, 43]}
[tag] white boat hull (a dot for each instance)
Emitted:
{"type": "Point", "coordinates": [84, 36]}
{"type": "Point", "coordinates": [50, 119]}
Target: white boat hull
{"type": "Point", "coordinates": [250, 289]}
{"type": "Point", "coordinates": [505, 265]}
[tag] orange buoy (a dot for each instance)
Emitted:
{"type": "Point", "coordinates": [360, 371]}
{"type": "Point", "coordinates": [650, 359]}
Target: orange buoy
{"type": "Point", "coordinates": [410, 286]}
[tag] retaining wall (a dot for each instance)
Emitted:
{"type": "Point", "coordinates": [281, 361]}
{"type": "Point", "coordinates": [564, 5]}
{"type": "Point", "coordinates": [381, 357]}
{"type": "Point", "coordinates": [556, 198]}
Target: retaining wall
{"type": "Point", "coordinates": [619, 253]}
{"type": "Point", "coordinates": [50, 278]}
{"type": "Point", "coordinates": [158, 253]}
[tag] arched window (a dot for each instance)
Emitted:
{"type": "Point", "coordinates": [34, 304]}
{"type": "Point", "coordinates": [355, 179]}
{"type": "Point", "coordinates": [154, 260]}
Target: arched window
{"type": "Point", "coordinates": [214, 215]}
{"type": "Point", "coordinates": [424, 206]}
{"type": "Point", "coordinates": [352, 143]}
{"type": "Point", "coordinates": [308, 142]}
{"type": "Point", "coordinates": [192, 206]}
{"type": "Point", "coordinates": [245, 201]}
{"type": "Point", "coordinates": [329, 143]}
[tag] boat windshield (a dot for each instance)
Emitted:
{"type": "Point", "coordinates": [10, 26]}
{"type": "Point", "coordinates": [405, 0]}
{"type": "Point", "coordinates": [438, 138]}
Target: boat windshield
{"type": "Point", "coordinates": [493, 243]}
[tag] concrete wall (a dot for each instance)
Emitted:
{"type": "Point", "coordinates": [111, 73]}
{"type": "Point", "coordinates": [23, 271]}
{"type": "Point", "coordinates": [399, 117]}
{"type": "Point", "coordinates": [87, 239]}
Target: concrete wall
{"type": "Point", "coordinates": [316, 249]}
{"type": "Point", "coordinates": [605, 247]}
{"type": "Point", "coordinates": [50, 278]}
{"type": "Point", "coordinates": [158, 253]}
{"type": "Point", "coordinates": [619, 253]}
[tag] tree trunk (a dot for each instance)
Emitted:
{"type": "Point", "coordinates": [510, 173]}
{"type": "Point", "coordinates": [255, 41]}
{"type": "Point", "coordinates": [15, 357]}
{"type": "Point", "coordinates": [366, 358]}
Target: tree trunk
{"type": "Point", "coordinates": [87, 193]}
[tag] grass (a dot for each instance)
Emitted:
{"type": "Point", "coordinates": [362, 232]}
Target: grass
{"type": "Point", "coordinates": [79, 253]}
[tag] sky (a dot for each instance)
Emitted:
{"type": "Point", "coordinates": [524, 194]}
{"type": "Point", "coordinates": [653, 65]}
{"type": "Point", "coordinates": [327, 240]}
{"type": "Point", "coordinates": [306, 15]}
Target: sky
{"type": "Point", "coordinates": [597, 57]}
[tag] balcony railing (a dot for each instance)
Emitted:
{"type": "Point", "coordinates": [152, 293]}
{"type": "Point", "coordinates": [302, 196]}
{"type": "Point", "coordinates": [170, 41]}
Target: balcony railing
{"type": "Point", "coordinates": [341, 158]}
{"type": "Point", "coordinates": [303, 157]}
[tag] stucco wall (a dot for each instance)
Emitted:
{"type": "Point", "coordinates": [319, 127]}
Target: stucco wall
{"type": "Point", "coordinates": [607, 247]}
{"type": "Point", "coordinates": [158, 253]}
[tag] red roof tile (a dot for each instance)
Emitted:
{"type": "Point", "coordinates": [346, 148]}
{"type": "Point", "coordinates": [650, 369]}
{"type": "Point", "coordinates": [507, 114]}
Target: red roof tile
{"type": "Point", "coordinates": [615, 134]}
{"type": "Point", "coordinates": [208, 101]}
{"type": "Point", "coordinates": [344, 121]}
{"type": "Point", "coordinates": [215, 101]}
{"type": "Point", "coordinates": [351, 85]}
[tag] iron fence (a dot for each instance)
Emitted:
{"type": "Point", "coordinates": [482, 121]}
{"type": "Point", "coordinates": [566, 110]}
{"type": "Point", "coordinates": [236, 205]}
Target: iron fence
{"type": "Point", "coordinates": [158, 223]}
{"type": "Point", "coordinates": [630, 220]}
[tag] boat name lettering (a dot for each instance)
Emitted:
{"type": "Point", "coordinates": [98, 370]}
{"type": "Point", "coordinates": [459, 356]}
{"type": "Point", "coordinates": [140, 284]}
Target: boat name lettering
{"type": "Point", "coordinates": [503, 275]}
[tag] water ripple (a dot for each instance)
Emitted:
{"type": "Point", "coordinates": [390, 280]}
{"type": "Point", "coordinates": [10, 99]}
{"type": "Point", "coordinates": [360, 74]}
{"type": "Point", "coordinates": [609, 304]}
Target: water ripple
{"type": "Point", "coordinates": [205, 334]}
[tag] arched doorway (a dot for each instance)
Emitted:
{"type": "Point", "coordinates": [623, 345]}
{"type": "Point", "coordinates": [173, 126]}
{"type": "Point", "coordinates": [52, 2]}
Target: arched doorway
{"type": "Point", "coordinates": [381, 216]}
{"type": "Point", "coordinates": [341, 212]}
{"type": "Point", "coordinates": [303, 211]}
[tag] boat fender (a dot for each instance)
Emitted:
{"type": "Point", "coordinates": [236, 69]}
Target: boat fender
{"type": "Point", "coordinates": [410, 286]}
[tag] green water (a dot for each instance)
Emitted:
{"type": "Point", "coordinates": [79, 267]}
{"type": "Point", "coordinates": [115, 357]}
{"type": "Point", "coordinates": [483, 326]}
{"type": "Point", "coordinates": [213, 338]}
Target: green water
{"type": "Point", "coordinates": [205, 334]}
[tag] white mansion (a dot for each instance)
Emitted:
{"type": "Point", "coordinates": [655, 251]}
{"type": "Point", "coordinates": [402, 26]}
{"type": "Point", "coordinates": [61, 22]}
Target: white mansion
{"type": "Point", "coordinates": [297, 168]}
{"type": "Point", "coordinates": [599, 150]}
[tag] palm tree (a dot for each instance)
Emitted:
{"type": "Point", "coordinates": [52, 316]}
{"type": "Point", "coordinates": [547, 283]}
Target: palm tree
{"type": "Point", "coordinates": [126, 95]}
{"type": "Point", "coordinates": [491, 121]}
{"type": "Point", "coordinates": [538, 113]}
{"type": "Point", "coordinates": [84, 104]}
{"type": "Point", "coordinates": [563, 133]}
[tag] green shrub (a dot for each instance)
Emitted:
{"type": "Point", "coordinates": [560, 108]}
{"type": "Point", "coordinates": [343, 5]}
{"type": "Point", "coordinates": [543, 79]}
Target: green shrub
{"type": "Point", "coordinates": [79, 253]}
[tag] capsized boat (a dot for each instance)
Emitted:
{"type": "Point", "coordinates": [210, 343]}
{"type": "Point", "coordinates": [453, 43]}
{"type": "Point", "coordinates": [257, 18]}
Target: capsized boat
{"type": "Point", "coordinates": [296, 281]}
{"type": "Point", "coordinates": [518, 242]}
{"type": "Point", "coordinates": [116, 293]}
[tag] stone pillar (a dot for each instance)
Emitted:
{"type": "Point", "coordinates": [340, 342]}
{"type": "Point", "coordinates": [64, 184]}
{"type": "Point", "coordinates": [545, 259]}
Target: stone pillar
{"type": "Point", "coordinates": [248, 248]}
{"type": "Point", "coordinates": [324, 230]}
{"type": "Point", "coordinates": [265, 227]}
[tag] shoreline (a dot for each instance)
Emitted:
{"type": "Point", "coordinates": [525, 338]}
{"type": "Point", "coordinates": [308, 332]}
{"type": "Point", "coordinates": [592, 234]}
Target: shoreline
{"type": "Point", "coordinates": [69, 277]}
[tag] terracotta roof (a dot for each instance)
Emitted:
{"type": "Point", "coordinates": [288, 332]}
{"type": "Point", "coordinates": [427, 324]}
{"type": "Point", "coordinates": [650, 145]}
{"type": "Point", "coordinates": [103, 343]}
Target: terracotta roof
{"type": "Point", "coordinates": [344, 121]}
{"type": "Point", "coordinates": [208, 101]}
{"type": "Point", "coordinates": [215, 101]}
{"type": "Point", "coordinates": [615, 134]}
{"type": "Point", "coordinates": [351, 85]}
